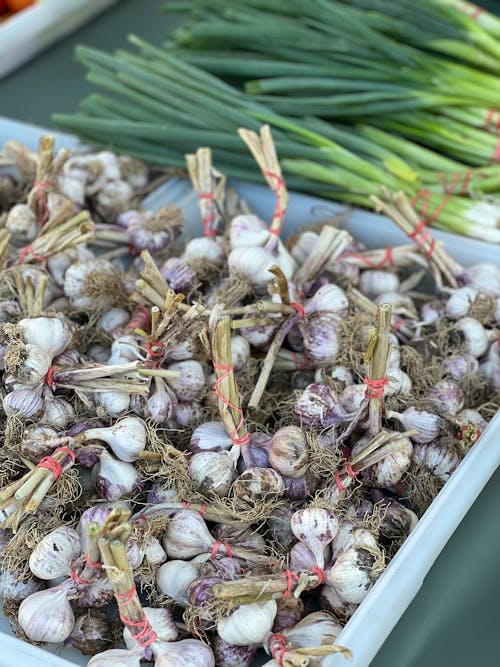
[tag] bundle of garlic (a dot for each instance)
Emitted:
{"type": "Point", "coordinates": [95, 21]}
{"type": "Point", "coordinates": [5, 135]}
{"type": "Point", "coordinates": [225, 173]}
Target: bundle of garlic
{"type": "Point", "coordinates": [236, 426]}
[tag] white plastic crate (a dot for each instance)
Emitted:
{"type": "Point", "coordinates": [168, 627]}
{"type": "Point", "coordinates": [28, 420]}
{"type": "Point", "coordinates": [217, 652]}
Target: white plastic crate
{"type": "Point", "coordinates": [368, 628]}
{"type": "Point", "coordinates": [33, 29]}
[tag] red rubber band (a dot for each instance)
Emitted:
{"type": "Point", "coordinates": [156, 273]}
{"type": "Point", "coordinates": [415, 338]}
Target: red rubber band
{"type": "Point", "coordinates": [496, 153]}
{"type": "Point", "coordinates": [96, 565]}
{"type": "Point", "coordinates": [399, 323]}
{"type": "Point", "coordinates": [141, 319]}
{"type": "Point", "coordinates": [278, 646]}
{"type": "Point", "coordinates": [185, 505]}
{"type": "Point", "coordinates": [387, 259]}
{"type": "Point", "coordinates": [207, 220]}
{"type": "Point", "coordinates": [226, 371]}
{"type": "Point", "coordinates": [215, 550]}
{"type": "Point", "coordinates": [375, 388]}
{"type": "Point", "coordinates": [459, 178]}
{"type": "Point", "coordinates": [299, 309]}
{"type": "Point", "coordinates": [80, 580]}
{"type": "Point", "coordinates": [320, 573]}
{"type": "Point", "coordinates": [51, 464]}
{"type": "Point", "coordinates": [156, 352]}
{"type": "Point", "coordinates": [301, 361]}
{"type": "Point", "coordinates": [425, 196]}
{"type": "Point", "coordinates": [291, 577]}
{"type": "Point", "coordinates": [279, 213]}
{"type": "Point", "coordinates": [338, 482]}
{"type": "Point", "coordinates": [464, 428]}
{"type": "Point", "coordinates": [146, 635]}
{"type": "Point", "coordinates": [49, 377]}
{"type": "Point", "coordinates": [28, 250]}
{"type": "Point", "coordinates": [352, 473]}
{"type": "Point", "coordinates": [203, 509]}
{"type": "Point", "coordinates": [421, 236]}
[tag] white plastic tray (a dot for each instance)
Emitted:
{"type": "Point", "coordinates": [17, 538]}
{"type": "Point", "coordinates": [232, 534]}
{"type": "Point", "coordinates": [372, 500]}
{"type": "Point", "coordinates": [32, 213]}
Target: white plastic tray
{"type": "Point", "coordinates": [33, 29]}
{"type": "Point", "coordinates": [368, 628]}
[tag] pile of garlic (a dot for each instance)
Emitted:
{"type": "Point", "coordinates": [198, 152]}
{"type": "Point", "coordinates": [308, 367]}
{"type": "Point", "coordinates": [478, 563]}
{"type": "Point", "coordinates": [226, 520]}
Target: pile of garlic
{"type": "Point", "coordinates": [276, 458]}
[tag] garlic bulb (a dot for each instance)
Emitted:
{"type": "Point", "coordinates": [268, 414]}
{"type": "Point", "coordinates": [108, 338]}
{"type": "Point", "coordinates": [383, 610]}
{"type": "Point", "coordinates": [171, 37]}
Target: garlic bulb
{"type": "Point", "coordinates": [190, 652]}
{"type": "Point", "coordinates": [229, 655]}
{"type": "Point", "coordinates": [91, 632]}
{"type": "Point", "coordinates": [126, 438]}
{"type": "Point", "coordinates": [114, 403]}
{"type": "Point", "coordinates": [313, 630]}
{"type": "Point", "coordinates": [205, 248]}
{"type": "Point", "coordinates": [318, 406]}
{"type": "Point", "coordinates": [330, 601]}
{"type": "Point", "coordinates": [460, 302]}
{"type": "Point", "coordinates": [473, 416]}
{"type": "Point", "coordinates": [97, 594]}
{"type": "Point", "coordinates": [114, 318]}
{"type": "Point", "coordinates": [98, 513]}
{"type": "Point", "coordinates": [92, 285]}
{"type": "Point", "coordinates": [254, 263]}
{"type": "Point", "coordinates": [161, 621]}
{"type": "Point", "coordinates": [349, 535]}
{"type": "Point", "coordinates": [173, 579]}
{"type": "Point", "coordinates": [491, 367]}
{"type": "Point", "coordinates": [153, 551]}
{"type": "Point", "coordinates": [440, 458]}
{"type": "Point", "coordinates": [57, 264]}
{"type": "Point", "coordinates": [320, 338]}
{"type": "Point", "coordinates": [447, 396]}
{"type": "Point", "coordinates": [248, 230]}
{"type": "Point", "coordinates": [427, 424]}
{"type": "Point", "coordinates": [256, 482]}
{"type": "Point", "coordinates": [249, 624]}
{"type": "Point", "coordinates": [316, 527]}
{"type": "Point", "coordinates": [23, 403]}
{"type": "Point", "coordinates": [116, 657]}
{"type": "Point", "coordinates": [187, 536]}
{"type": "Point", "coordinates": [484, 277]}
{"type": "Point", "coordinates": [240, 351]}
{"type": "Point", "coordinates": [460, 365]}
{"type": "Point", "coordinates": [388, 471]}
{"type": "Point", "coordinates": [302, 558]}
{"type": "Point", "coordinates": [153, 231]}
{"type": "Point", "coordinates": [47, 616]}
{"type": "Point", "coordinates": [191, 380]}
{"type": "Point", "coordinates": [161, 403]}
{"type": "Point", "coordinates": [113, 198]}
{"type": "Point", "coordinates": [398, 383]}
{"type": "Point", "coordinates": [52, 556]}
{"type": "Point", "coordinates": [21, 224]}
{"type": "Point", "coordinates": [476, 338]}
{"type": "Point", "coordinates": [52, 335]}
{"type": "Point", "coordinates": [212, 472]}
{"type": "Point", "coordinates": [56, 411]}
{"type": "Point", "coordinates": [210, 436]}
{"type": "Point", "coordinates": [352, 397]}
{"type": "Point", "coordinates": [179, 274]}
{"type": "Point", "coordinates": [375, 282]}
{"type": "Point", "coordinates": [113, 479]}
{"type": "Point", "coordinates": [17, 587]}
{"type": "Point", "coordinates": [354, 573]}
{"type": "Point", "coordinates": [431, 312]}
{"type": "Point", "coordinates": [288, 451]}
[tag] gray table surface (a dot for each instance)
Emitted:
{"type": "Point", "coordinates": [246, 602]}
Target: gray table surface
{"type": "Point", "coordinates": [454, 619]}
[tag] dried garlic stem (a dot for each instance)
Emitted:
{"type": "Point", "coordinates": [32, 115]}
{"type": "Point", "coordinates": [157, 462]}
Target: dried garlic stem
{"type": "Point", "coordinates": [330, 245]}
{"type": "Point", "coordinates": [263, 150]}
{"type": "Point", "coordinates": [210, 192]}
{"type": "Point", "coordinates": [377, 357]}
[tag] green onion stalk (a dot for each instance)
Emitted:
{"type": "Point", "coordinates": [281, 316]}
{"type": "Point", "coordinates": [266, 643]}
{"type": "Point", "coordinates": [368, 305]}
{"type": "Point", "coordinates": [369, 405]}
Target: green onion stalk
{"type": "Point", "coordinates": [157, 107]}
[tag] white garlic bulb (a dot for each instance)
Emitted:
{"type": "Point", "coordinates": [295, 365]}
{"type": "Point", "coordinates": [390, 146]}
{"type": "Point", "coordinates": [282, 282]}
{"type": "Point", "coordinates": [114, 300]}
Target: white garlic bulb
{"type": "Point", "coordinates": [161, 621]}
{"type": "Point", "coordinates": [473, 416]}
{"type": "Point", "coordinates": [84, 284]}
{"type": "Point", "coordinates": [116, 657]}
{"type": "Point", "coordinates": [248, 231]}
{"type": "Point", "coordinates": [113, 479]}
{"type": "Point", "coordinates": [447, 396]}
{"type": "Point", "coordinates": [127, 437]}
{"type": "Point", "coordinates": [190, 652]}
{"type": "Point", "coordinates": [114, 403]}
{"type": "Point", "coordinates": [398, 382]}
{"type": "Point", "coordinates": [113, 319]}
{"type": "Point", "coordinates": [56, 411]}
{"type": "Point", "coordinates": [389, 470]}
{"type": "Point", "coordinates": [153, 551]}
{"type": "Point", "coordinates": [440, 458]}
{"type": "Point", "coordinates": [476, 338]}
{"type": "Point", "coordinates": [23, 403]}
{"type": "Point", "coordinates": [191, 380]}
{"type": "Point", "coordinates": [212, 472]}
{"type": "Point", "coordinates": [21, 224]}
{"type": "Point", "coordinates": [249, 624]}
{"type": "Point", "coordinates": [321, 342]}
{"type": "Point", "coordinates": [47, 616]}
{"type": "Point", "coordinates": [254, 263]}
{"type": "Point", "coordinates": [206, 248]}
{"type": "Point", "coordinates": [375, 282]}
{"type": "Point", "coordinates": [210, 436]}
{"type": "Point", "coordinates": [317, 527]}
{"type": "Point", "coordinates": [427, 424]}
{"type": "Point", "coordinates": [288, 451]}
{"type": "Point", "coordinates": [348, 536]}
{"type": "Point", "coordinates": [328, 298]}
{"type": "Point", "coordinates": [52, 556]}
{"type": "Point", "coordinates": [240, 352]}
{"type": "Point", "coordinates": [460, 302]}
{"type": "Point", "coordinates": [354, 573]}
{"type": "Point", "coordinates": [173, 579]}
{"type": "Point", "coordinates": [52, 335]}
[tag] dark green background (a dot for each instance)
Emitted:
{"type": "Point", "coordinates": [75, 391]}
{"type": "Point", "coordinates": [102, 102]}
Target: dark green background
{"type": "Point", "coordinates": [454, 620]}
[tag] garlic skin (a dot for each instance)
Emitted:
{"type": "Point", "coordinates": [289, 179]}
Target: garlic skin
{"type": "Point", "coordinates": [127, 437]}
{"type": "Point", "coordinates": [212, 473]}
{"type": "Point", "coordinates": [229, 655]}
{"type": "Point", "coordinates": [52, 556]}
{"type": "Point", "coordinates": [57, 412]}
{"type": "Point", "coordinates": [113, 479]}
{"type": "Point", "coordinates": [113, 319]}
{"type": "Point", "coordinates": [205, 248]}
{"type": "Point", "coordinates": [248, 230]}
{"type": "Point", "coordinates": [349, 535]}
{"type": "Point", "coordinates": [254, 263]}
{"type": "Point", "coordinates": [391, 468]}
{"type": "Point", "coordinates": [354, 573]}
{"type": "Point", "coordinates": [460, 302]}
{"type": "Point", "coordinates": [161, 621]}
{"type": "Point", "coordinates": [174, 577]}
{"type": "Point", "coordinates": [90, 633]}
{"type": "Point", "coordinates": [190, 652]}
{"type": "Point", "coordinates": [473, 416]}
{"type": "Point", "coordinates": [179, 274]}
{"type": "Point", "coordinates": [249, 624]}
{"type": "Point", "coordinates": [318, 407]}
{"type": "Point", "coordinates": [484, 277]}
{"type": "Point", "coordinates": [51, 334]}
{"type": "Point", "coordinates": [187, 536]}
{"type": "Point", "coordinates": [460, 365]}
{"type": "Point", "coordinates": [153, 551]}
{"type": "Point", "coordinates": [47, 616]}
{"type": "Point", "coordinates": [316, 527]}
{"type": "Point", "coordinates": [313, 629]}
{"type": "Point", "coordinates": [288, 452]}
{"type": "Point", "coordinates": [78, 281]}
{"type": "Point", "coordinates": [398, 383]}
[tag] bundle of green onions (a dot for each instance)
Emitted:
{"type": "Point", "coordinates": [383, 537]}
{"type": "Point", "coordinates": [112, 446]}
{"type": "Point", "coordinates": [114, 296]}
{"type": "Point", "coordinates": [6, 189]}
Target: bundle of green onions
{"type": "Point", "coordinates": [359, 94]}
